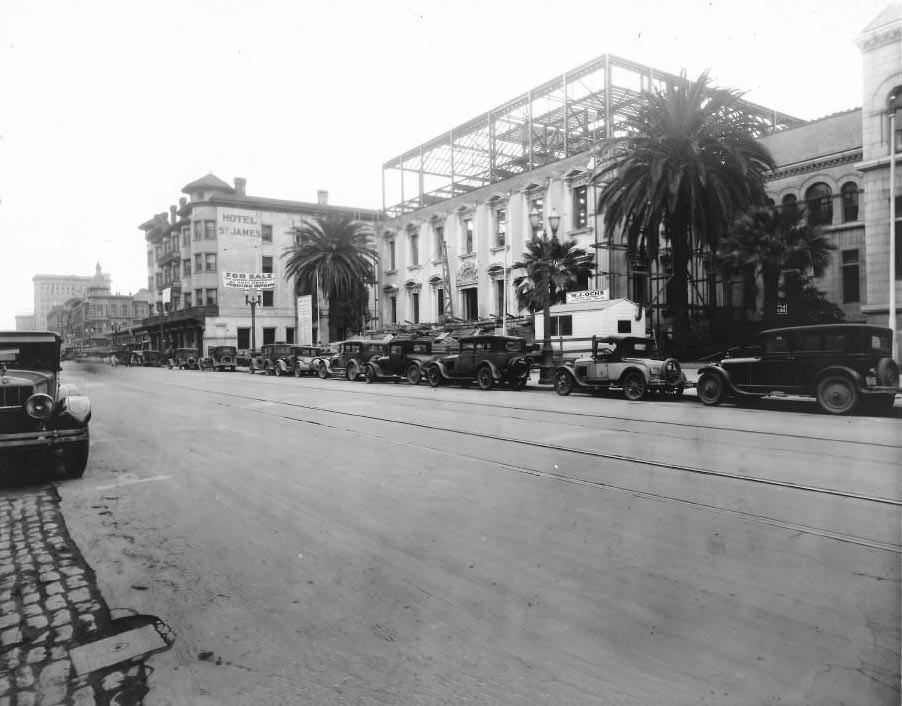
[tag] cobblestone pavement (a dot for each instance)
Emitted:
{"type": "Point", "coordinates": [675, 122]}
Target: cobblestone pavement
{"type": "Point", "coordinates": [49, 605]}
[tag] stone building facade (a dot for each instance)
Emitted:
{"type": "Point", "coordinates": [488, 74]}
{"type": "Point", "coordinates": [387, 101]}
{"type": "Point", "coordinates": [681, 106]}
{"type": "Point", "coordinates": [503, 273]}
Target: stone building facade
{"type": "Point", "coordinates": [216, 229]}
{"type": "Point", "coordinates": [514, 160]}
{"type": "Point", "coordinates": [55, 290]}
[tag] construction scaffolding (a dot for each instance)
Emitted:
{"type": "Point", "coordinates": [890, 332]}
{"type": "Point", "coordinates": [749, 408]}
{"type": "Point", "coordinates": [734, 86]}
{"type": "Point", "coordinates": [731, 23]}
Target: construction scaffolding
{"type": "Point", "coordinates": [563, 117]}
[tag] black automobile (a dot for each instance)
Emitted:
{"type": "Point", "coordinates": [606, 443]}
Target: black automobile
{"type": "Point", "coordinates": [349, 360]}
{"type": "Point", "coordinates": [184, 359]}
{"type": "Point", "coordinates": [841, 365]}
{"type": "Point", "coordinates": [487, 359]}
{"type": "Point", "coordinates": [37, 412]}
{"type": "Point", "coordinates": [406, 360]}
{"type": "Point", "coordinates": [221, 358]}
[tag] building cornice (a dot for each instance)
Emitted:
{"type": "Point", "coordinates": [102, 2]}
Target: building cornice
{"type": "Point", "coordinates": [889, 33]}
{"type": "Point", "coordinates": [815, 165]}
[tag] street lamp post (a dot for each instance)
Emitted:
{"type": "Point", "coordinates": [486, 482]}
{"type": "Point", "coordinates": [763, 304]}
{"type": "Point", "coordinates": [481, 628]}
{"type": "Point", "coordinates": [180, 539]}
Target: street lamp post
{"type": "Point", "coordinates": [253, 297]}
{"type": "Point", "coordinates": [546, 367]}
{"type": "Point", "coordinates": [893, 107]}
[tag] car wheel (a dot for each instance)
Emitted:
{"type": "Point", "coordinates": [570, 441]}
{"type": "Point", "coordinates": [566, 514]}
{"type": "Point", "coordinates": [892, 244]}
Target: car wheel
{"type": "Point", "coordinates": [322, 371]}
{"type": "Point", "coordinates": [710, 389]}
{"type": "Point", "coordinates": [75, 458]}
{"type": "Point", "coordinates": [352, 371]}
{"type": "Point", "coordinates": [277, 369]}
{"type": "Point", "coordinates": [298, 372]}
{"type": "Point", "coordinates": [485, 378]}
{"type": "Point", "coordinates": [837, 395]}
{"type": "Point", "coordinates": [369, 374]}
{"type": "Point", "coordinates": [434, 375]}
{"type": "Point", "coordinates": [414, 374]}
{"type": "Point", "coordinates": [563, 383]}
{"type": "Point", "coordinates": [634, 386]}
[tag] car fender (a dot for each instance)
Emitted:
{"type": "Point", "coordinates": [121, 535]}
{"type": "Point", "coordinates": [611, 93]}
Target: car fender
{"type": "Point", "coordinates": [633, 368]}
{"type": "Point", "coordinates": [283, 366]}
{"type": "Point", "coordinates": [75, 407]}
{"type": "Point", "coordinates": [494, 368]}
{"type": "Point", "coordinates": [375, 366]}
{"type": "Point", "coordinates": [317, 362]}
{"type": "Point", "coordinates": [440, 364]}
{"type": "Point", "coordinates": [723, 375]}
{"type": "Point", "coordinates": [854, 375]}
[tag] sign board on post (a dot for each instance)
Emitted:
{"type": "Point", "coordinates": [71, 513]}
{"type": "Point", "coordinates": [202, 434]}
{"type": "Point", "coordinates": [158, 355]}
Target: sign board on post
{"type": "Point", "coordinates": [245, 280]}
{"type": "Point", "coordinates": [305, 320]}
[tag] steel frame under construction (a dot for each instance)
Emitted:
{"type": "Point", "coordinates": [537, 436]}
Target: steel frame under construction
{"type": "Point", "coordinates": [560, 118]}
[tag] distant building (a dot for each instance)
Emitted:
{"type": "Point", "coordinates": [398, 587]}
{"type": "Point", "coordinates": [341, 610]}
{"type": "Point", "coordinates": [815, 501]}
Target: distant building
{"type": "Point", "coordinates": [25, 322]}
{"type": "Point", "coordinates": [54, 290]}
{"type": "Point", "coordinates": [92, 321]}
{"type": "Point", "coordinates": [217, 229]}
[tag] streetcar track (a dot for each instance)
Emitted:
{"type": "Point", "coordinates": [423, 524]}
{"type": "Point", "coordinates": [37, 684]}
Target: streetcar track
{"type": "Point", "coordinates": [757, 480]}
{"type": "Point", "coordinates": [658, 497]}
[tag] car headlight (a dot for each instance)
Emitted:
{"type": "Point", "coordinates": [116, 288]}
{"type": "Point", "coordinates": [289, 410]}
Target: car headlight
{"type": "Point", "coordinates": [39, 406]}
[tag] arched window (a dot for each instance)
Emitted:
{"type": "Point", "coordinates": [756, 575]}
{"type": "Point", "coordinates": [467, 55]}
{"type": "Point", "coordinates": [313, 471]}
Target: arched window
{"type": "Point", "coordinates": [790, 204]}
{"type": "Point", "coordinates": [819, 199]}
{"type": "Point", "coordinates": [849, 193]}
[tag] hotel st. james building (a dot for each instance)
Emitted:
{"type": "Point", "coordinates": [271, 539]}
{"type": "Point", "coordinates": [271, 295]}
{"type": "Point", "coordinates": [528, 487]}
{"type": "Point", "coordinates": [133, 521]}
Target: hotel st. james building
{"type": "Point", "coordinates": [215, 229]}
{"type": "Point", "coordinates": [458, 206]}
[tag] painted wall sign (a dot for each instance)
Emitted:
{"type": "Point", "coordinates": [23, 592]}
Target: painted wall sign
{"type": "Point", "coordinates": [243, 223]}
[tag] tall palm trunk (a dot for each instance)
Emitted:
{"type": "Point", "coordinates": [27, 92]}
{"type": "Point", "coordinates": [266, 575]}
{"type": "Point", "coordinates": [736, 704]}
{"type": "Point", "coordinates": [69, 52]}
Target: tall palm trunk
{"type": "Point", "coordinates": [679, 302]}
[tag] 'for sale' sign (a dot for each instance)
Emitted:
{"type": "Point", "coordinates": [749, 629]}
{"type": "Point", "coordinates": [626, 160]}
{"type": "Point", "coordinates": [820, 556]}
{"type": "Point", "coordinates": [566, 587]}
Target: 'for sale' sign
{"type": "Point", "coordinates": [245, 280]}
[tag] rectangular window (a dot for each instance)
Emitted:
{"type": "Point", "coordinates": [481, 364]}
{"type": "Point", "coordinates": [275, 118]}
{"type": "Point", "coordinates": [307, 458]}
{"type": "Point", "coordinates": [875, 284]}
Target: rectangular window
{"type": "Point", "coordinates": [500, 228]}
{"type": "Point", "coordinates": [499, 297]}
{"type": "Point", "coordinates": [468, 235]}
{"type": "Point", "coordinates": [266, 233]}
{"type": "Point", "coordinates": [415, 307]}
{"type": "Point", "coordinates": [471, 303]}
{"type": "Point", "coordinates": [210, 230]}
{"type": "Point", "coordinates": [267, 297]}
{"type": "Point", "coordinates": [562, 325]}
{"type": "Point", "coordinates": [440, 303]}
{"type": "Point", "coordinates": [393, 310]}
{"type": "Point", "coordinates": [269, 335]}
{"type": "Point", "coordinates": [187, 297]}
{"type": "Point", "coordinates": [624, 326]}
{"type": "Point", "coordinates": [186, 236]}
{"type": "Point", "coordinates": [198, 230]}
{"type": "Point", "coordinates": [850, 277]}
{"type": "Point", "coordinates": [199, 297]}
{"type": "Point", "coordinates": [439, 251]}
{"type": "Point", "coordinates": [186, 266]}
{"type": "Point", "coordinates": [199, 262]}
{"type": "Point", "coordinates": [537, 205]}
{"type": "Point", "coordinates": [211, 261]}
{"type": "Point", "coordinates": [289, 334]}
{"type": "Point", "coordinates": [211, 296]}
{"type": "Point", "coordinates": [267, 265]}
{"type": "Point", "coordinates": [414, 249]}
{"type": "Point", "coordinates": [244, 338]}
{"type": "Point", "coordinates": [391, 255]}
{"type": "Point", "coordinates": [580, 207]}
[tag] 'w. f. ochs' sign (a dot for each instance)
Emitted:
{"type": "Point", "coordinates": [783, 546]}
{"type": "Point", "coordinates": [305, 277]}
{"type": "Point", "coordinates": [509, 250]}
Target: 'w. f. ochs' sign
{"type": "Point", "coordinates": [245, 280]}
{"type": "Point", "coordinates": [590, 295]}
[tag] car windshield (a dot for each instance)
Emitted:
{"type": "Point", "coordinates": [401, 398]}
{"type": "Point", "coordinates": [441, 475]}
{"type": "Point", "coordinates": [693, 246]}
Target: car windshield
{"type": "Point", "coordinates": [37, 356]}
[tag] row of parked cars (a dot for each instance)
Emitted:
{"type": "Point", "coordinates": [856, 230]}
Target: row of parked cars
{"type": "Point", "coordinates": [845, 367]}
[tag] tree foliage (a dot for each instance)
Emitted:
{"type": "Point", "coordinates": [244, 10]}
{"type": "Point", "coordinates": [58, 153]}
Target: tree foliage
{"type": "Point", "coordinates": [334, 254]}
{"type": "Point", "coordinates": [552, 267]}
{"type": "Point", "coordinates": [689, 161]}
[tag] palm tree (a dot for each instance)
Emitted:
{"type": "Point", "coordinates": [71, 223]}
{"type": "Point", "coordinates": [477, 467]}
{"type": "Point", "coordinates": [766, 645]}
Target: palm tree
{"type": "Point", "coordinates": [688, 163]}
{"type": "Point", "coordinates": [551, 268]}
{"type": "Point", "coordinates": [334, 255]}
{"type": "Point", "coordinates": [766, 242]}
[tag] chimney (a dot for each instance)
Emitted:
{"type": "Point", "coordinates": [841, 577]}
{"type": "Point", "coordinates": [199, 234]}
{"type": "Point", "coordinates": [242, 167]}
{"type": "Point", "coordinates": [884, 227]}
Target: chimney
{"type": "Point", "coordinates": [173, 217]}
{"type": "Point", "coordinates": [240, 184]}
{"type": "Point", "coordinates": [182, 202]}
{"type": "Point", "coordinates": [322, 197]}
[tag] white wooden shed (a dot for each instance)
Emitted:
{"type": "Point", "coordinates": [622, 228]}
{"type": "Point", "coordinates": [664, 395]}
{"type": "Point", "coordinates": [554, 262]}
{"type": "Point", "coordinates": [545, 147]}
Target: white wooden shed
{"type": "Point", "coordinates": [573, 325]}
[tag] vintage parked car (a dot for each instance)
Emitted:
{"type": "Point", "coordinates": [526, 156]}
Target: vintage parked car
{"type": "Point", "coordinates": [273, 359]}
{"type": "Point", "coordinates": [36, 411]}
{"type": "Point", "coordinates": [184, 359]}
{"type": "Point", "coordinates": [405, 361]}
{"type": "Point", "coordinates": [487, 359]}
{"type": "Point", "coordinates": [151, 358]}
{"type": "Point", "coordinates": [840, 365]}
{"type": "Point", "coordinates": [630, 364]}
{"type": "Point", "coordinates": [221, 358]}
{"type": "Point", "coordinates": [302, 359]}
{"type": "Point", "coordinates": [350, 358]}
{"type": "Point", "coordinates": [120, 356]}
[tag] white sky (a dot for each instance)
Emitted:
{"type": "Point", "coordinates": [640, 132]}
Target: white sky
{"type": "Point", "coordinates": [108, 108]}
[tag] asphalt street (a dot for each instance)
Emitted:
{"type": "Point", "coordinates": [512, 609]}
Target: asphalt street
{"type": "Point", "coordinates": [329, 542]}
